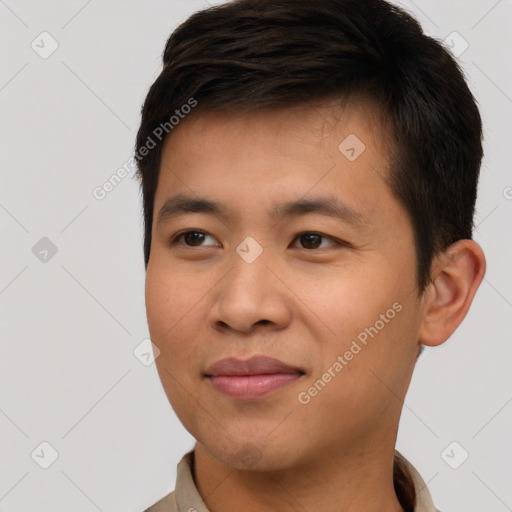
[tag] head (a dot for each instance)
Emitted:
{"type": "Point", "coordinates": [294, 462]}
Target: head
{"type": "Point", "coordinates": [261, 104]}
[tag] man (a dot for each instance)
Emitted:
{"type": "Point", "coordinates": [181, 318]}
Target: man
{"type": "Point", "coordinates": [309, 175]}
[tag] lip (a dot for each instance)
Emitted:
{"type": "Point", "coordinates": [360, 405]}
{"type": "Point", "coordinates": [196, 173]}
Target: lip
{"type": "Point", "coordinates": [252, 378]}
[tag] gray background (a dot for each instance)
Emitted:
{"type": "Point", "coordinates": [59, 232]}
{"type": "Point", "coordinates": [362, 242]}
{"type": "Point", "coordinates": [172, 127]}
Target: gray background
{"type": "Point", "coordinates": [70, 321]}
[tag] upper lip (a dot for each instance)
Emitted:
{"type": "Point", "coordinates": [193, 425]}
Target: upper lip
{"type": "Point", "coordinates": [257, 365]}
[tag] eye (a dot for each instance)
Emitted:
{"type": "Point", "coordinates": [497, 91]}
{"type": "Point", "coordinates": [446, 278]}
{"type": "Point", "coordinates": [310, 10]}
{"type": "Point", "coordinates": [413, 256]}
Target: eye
{"type": "Point", "coordinates": [192, 237]}
{"type": "Point", "coordinates": [312, 240]}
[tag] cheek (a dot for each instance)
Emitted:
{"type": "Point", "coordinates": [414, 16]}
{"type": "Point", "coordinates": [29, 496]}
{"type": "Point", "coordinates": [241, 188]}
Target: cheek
{"type": "Point", "coordinates": [375, 328]}
{"type": "Point", "coordinates": [163, 311]}
{"type": "Point", "coordinates": [350, 300]}
{"type": "Point", "coordinates": [173, 303]}
{"type": "Point", "coordinates": [170, 315]}
{"type": "Point", "coordinates": [369, 312]}
{"type": "Point", "coordinates": [159, 306]}
{"type": "Point", "coordinates": [167, 300]}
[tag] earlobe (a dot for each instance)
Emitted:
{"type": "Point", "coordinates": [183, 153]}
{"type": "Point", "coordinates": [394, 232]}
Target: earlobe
{"type": "Point", "coordinates": [456, 276]}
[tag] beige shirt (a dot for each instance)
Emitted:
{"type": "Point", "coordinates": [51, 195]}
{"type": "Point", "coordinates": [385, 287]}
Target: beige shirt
{"type": "Point", "coordinates": [186, 498]}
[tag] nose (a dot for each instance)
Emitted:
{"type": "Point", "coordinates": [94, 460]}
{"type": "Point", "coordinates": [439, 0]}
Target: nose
{"type": "Point", "coordinates": [251, 294]}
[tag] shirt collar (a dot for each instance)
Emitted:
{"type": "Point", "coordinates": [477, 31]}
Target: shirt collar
{"type": "Point", "coordinates": [187, 496]}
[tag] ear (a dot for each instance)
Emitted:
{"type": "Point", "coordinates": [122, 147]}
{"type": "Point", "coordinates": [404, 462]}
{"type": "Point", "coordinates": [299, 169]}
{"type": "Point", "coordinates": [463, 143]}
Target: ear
{"type": "Point", "coordinates": [456, 275]}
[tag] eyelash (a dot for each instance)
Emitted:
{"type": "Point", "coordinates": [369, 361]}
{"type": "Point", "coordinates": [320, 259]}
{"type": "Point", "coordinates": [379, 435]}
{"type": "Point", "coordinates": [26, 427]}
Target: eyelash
{"type": "Point", "coordinates": [336, 242]}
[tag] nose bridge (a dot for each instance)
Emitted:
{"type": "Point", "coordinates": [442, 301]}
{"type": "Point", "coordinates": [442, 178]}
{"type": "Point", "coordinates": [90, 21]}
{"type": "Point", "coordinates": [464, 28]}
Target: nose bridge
{"type": "Point", "coordinates": [250, 292]}
{"type": "Point", "coordinates": [248, 280]}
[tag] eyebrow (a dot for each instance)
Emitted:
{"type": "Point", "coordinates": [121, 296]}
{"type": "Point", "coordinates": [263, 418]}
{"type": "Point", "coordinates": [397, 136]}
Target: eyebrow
{"type": "Point", "coordinates": [328, 206]}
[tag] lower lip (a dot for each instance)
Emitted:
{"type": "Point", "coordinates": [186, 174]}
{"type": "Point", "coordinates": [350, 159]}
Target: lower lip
{"type": "Point", "coordinates": [251, 386]}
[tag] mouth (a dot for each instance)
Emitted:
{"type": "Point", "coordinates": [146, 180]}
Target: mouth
{"type": "Point", "coordinates": [253, 378]}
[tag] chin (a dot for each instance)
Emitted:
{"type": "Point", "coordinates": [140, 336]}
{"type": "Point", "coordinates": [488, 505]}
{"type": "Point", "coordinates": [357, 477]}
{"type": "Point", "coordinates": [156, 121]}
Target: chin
{"type": "Point", "coordinates": [247, 454]}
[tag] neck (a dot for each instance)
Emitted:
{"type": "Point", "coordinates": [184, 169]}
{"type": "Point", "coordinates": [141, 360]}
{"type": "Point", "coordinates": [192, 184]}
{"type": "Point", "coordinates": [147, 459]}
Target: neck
{"type": "Point", "coordinates": [352, 481]}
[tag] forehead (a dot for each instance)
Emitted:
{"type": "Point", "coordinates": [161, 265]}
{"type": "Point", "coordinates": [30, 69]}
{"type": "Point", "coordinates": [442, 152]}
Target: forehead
{"type": "Point", "coordinates": [308, 123]}
{"type": "Point", "coordinates": [273, 156]}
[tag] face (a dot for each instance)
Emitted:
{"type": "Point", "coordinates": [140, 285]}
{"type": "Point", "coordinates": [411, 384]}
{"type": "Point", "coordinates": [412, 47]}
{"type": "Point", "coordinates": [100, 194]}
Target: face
{"type": "Point", "coordinates": [331, 294]}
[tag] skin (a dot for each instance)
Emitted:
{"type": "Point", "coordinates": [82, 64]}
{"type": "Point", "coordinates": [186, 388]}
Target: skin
{"type": "Point", "coordinates": [298, 303]}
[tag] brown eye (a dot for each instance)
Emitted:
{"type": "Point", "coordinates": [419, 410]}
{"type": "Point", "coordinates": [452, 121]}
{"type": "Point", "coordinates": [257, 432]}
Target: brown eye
{"type": "Point", "coordinates": [313, 240]}
{"type": "Point", "coordinates": [192, 238]}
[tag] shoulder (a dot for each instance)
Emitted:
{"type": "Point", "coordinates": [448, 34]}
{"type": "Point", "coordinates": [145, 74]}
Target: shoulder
{"type": "Point", "coordinates": [185, 492]}
{"type": "Point", "coordinates": [166, 504]}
